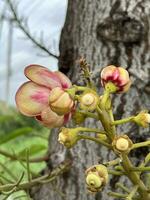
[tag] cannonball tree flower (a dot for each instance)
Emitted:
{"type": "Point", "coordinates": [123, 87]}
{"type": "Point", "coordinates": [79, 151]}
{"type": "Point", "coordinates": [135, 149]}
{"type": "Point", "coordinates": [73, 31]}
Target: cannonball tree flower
{"type": "Point", "coordinates": [32, 98]}
{"type": "Point", "coordinates": [118, 76]}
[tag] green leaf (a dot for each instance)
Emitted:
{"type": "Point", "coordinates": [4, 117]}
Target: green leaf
{"type": "Point", "coordinates": [14, 134]}
{"type": "Point", "coordinates": [6, 118]}
{"type": "Point", "coordinates": [33, 149]}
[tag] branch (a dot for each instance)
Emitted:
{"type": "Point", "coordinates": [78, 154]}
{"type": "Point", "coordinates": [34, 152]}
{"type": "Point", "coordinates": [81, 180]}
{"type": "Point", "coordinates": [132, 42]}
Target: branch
{"type": "Point", "coordinates": [85, 137]}
{"type": "Point", "coordinates": [118, 195]}
{"type": "Point", "coordinates": [40, 180]}
{"type": "Point", "coordinates": [121, 186]}
{"type": "Point", "coordinates": [141, 144]}
{"type": "Point", "coordinates": [26, 31]}
{"type": "Point", "coordinates": [132, 193]}
{"type": "Point", "coordinates": [15, 157]}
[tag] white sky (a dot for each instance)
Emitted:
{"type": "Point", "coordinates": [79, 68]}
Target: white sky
{"type": "Point", "coordinates": [47, 16]}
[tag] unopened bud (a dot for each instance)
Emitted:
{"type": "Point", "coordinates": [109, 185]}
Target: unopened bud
{"type": "Point", "coordinates": [142, 119]}
{"type": "Point", "coordinates": [122, 144]}
{"type": "Point", "coordinates": [96, 178]}
{"type": "Point", "coordinates": [89, 101]}
{"type": "Point", "coordinates": [60, 101]}
{"type": "Point", "coordinates": [78, 117]}
{"type": "Point", "coordinates": [68, 137]}
{"type": "Point", "coordinates": [116, 75]}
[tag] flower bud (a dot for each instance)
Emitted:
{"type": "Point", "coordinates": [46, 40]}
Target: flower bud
{"type": "Point", "coordinates": [96, 178]}
{"type": "Point", "coordinates": [122, 144]}
{"type": "Point", "coordinates": [89, 101]}
{"type": "Point", "coordinates": [101, 137]}
{"type": "Point", "coordinates": [60, 101]}
{"type": "Point", "coordinates": [142, 119]}
{"type": "Point", "coordinates": [118, 76]}
{"type": "Point", "coordinates": [78, 117]}
{"type": "Point", "coordinates": [68, 137]}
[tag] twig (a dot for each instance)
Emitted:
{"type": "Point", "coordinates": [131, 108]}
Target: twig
{"type": "Point", "coordinates": [119, 185]}
{"type": "Point", "coordinates": [31, 160]}
{"type": "Point", "coordinates": [113, 172]}
{"type": "Point", "coordinates": [28, 166]}
{"type": "Point", "coordinates": [27, 33]}
{"type": "Point", "coordinates": [118, 195]}
{"type": "Point", "coordinates": [26, 185]}
{"type": "Point", "coordinates": [85, 137]}
{"type": "Point", "coordinates": [132, 193]}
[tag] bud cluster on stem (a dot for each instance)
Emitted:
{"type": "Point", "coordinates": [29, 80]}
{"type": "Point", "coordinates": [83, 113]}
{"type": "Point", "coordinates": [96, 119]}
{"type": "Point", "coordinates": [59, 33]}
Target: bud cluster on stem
{"type": "Point", "coordinates": [53, 101]}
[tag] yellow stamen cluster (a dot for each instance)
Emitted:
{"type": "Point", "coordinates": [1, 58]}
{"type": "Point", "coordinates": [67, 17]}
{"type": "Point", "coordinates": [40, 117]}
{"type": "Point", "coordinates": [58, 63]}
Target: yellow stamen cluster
{"type": "Point", "coordinates": [89, 101]}
{"type": "Point", "coordinates": [122, 144]}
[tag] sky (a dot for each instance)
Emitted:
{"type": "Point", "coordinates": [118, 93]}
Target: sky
{"type": "Point", "coordinates": [43, 16]}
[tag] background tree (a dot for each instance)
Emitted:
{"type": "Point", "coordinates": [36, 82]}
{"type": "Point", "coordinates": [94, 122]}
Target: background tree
{"type": "Point", "coordinates": [104, 32]}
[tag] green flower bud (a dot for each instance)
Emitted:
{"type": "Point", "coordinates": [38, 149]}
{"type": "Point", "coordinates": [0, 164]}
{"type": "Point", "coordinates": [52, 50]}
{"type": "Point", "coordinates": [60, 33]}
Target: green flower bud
{"type": "Point", "coordinates": [142, 119]}
{"type": "Point", "coordinates": [68, 137]}
{"type": "Point", "coordinates": [78, 117]}
{"type": "Point", "coordinates": [96, 178]}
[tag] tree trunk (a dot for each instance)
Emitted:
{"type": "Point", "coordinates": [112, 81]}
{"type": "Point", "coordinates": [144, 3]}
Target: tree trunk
{"type": "Point", "coordinates": [104, 32]}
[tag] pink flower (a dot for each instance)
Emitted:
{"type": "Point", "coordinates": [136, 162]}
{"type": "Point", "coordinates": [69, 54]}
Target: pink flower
{"type": "Point", "coordinates": [117, 75]}
{"type": "Point", "coordinates": [32, 98]}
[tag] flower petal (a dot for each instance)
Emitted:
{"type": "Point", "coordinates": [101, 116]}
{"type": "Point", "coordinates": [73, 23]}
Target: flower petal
{"type": "Point", "coordinates": [124, 76]}
{"type": "Point", "coordinates": [109, 73]}
{"type": "Point", "coordinates": [65, 81]}
{"type": "Point", "coordinates": [32, 98]}
{"type": "Point", "coordinates": [42, 76]}
{"type": "Point", "coordinates": [50, 119]}
{"type": "Point", "coordinates": [60, 101]}
{"type": "Point", "coordinates": [67, 117]}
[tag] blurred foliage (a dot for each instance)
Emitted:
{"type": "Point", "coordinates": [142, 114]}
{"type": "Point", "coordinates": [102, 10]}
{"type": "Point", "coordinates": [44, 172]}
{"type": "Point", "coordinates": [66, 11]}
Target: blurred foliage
{"type": "Point", "coordinates": [20, 134]}
{"type": "Point", "coordinates": [10, 119]}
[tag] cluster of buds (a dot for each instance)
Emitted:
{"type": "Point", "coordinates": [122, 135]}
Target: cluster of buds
{"type": "Point", "coordinates": [96, 178]}
{"type": "Point", "coordinates": [46, 96]}
{"type": "Point", "coordinates": [122, 144]}
{"type": "Point", "coordinates": [52, 100]}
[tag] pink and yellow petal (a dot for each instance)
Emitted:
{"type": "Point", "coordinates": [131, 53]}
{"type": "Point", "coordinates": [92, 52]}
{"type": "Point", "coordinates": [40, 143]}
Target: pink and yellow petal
{"type": "Point", "coordinates": [31, 98]}
{"type": "Point", "coordinates": [50, 119]}
{"type": "Point", "coordinates": [126, 87]}
{"type": "Point", "coordinates": [65, 81]}
{"type": "Point", "coordinates": [42, 76]}
{"type": "Point", "coordinates": [124, 76]}
{"type": "Point", "coordinates": [109, 72]}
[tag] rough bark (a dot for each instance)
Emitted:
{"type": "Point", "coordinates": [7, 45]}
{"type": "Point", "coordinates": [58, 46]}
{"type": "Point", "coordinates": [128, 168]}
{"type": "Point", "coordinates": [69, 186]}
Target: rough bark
{"type": "Point", "coordinates": [104, 32]}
